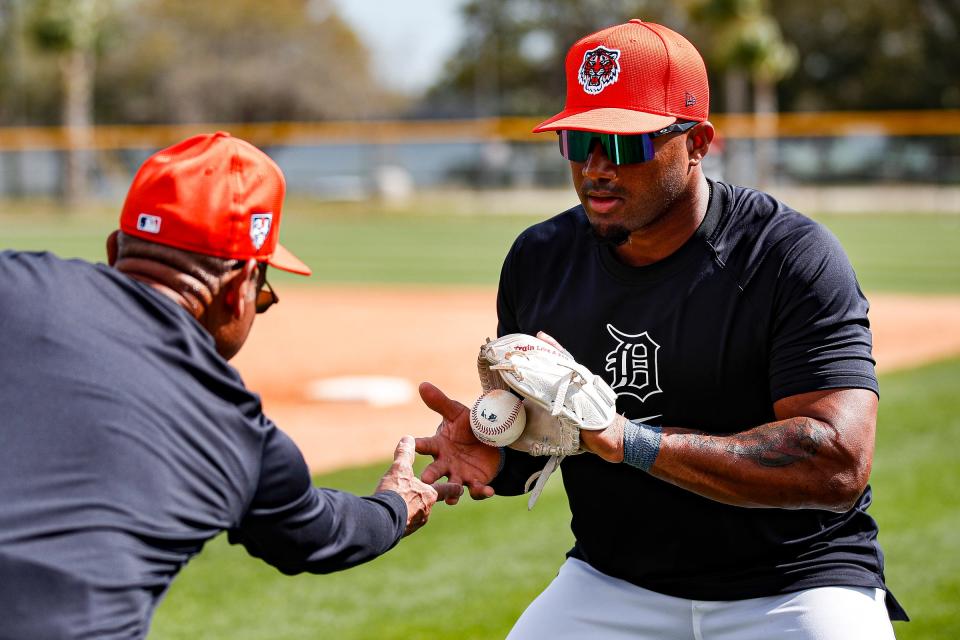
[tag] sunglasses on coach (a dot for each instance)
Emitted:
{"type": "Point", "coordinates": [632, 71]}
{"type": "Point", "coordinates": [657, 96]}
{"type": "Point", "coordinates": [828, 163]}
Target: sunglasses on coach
{"type": "Point", "coordinates": [620, 148]}
{"type": "Point", "coordinates": [266, 297]}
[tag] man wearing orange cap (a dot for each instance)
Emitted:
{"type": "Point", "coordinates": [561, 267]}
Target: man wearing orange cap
{"type": "Point", "coordinates": [729, 501]}
{"type": "Point", "coordinates": [127, 441]}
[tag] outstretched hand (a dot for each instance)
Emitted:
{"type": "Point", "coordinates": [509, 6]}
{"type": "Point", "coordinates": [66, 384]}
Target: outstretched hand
{"type": "Point", "coordinates": [419, 496]}
{"type": "Point", "coordinates": [457, 454]}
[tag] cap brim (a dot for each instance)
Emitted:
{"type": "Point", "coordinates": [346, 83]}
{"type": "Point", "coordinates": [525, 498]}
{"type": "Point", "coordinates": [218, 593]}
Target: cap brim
{"type": "Point", "coordinates": [285, 261]}
{"type": "Point", "coordinates": [606, 120]}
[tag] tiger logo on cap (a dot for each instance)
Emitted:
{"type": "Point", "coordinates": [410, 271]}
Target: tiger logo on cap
{"type": "Point", "coordinates": [600, 69]}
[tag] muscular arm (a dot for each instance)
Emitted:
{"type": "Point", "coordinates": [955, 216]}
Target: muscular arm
{"type": "Point", "coordinates": [816, 455]}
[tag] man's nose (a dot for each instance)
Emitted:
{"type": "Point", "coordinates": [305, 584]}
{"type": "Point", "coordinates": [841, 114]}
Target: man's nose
{"type": "Point", "coordinates": [598, 166]}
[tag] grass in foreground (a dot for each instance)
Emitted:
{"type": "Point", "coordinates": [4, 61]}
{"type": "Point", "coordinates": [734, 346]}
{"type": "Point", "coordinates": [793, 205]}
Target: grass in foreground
{"type": "Point", "coordinates": [475, 567]}
{"type": "Point", "coordinates": [468, 574]}
{"type": "Point", "coordinates": [916, 480]}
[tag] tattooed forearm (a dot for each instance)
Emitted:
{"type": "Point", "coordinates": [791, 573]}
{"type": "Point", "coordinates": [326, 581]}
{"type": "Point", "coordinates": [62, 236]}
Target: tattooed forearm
{"type": "Point", "coordinates": [781, 444]}
{"type": "Point", "coordinates": [815, 455]}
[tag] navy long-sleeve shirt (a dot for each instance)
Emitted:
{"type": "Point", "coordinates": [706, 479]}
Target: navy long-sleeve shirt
{"type": "Point", "coordinates": [127, 442]}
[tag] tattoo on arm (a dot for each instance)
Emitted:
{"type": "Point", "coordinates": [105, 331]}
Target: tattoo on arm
{"type": "Point", "coordinates": [781, 444]}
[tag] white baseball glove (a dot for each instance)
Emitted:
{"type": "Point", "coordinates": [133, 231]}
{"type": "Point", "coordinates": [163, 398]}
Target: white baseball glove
{"type": "Point", "coordinates": [546, 435]}
{"type": "Point", "coordinates": [549, 377]}
{"type": "Point", "coordinates": [561, 397]}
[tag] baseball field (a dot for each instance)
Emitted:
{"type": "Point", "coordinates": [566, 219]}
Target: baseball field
{"type": "Point", "coordinates": [402, 296]}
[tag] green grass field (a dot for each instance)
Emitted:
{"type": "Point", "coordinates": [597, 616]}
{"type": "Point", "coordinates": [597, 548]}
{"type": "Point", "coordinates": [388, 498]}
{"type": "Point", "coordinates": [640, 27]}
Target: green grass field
{"type": "Point", "coordinates": [474, 568]}
{"type": "Point", "coordinates": [905, 253]}
{"type": "Point", "coordinates": [916, 477]}
{"type": "Point", "coordinates": [355, 243]}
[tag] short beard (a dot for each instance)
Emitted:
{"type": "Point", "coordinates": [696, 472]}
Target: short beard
{"type": "Point", "coordinates": [613, 235]}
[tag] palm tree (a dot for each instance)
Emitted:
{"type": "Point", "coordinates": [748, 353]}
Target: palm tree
{"type": "Point", "coordinates": [69, 29]}
{"type": "Point", "coordinates": [749, 48]}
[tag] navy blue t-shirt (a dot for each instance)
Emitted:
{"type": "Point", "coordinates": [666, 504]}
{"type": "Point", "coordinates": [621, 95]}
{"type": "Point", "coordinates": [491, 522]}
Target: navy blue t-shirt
{"type": "Point", "coordinates": [760, 304]}
{"type": "Point", "coordinates": [127, 442]}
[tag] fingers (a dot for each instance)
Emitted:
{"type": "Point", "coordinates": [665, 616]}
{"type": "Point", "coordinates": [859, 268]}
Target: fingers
{"type": "Point", "coordinates": [447, 491]}
{"type": "Point", "coordinates": [436, 469]}
{"type": "Point", "coordinates": [405, 453]}
{"type": "Point", "coordinates": [420, 499]}
{"type": "Point", "coordinates": [546, 337]}
{"type": "Point", "coordinates": [433, 472]}
{"type": "Point", "coordinates": [439, 469]}
{"type": "Point", "coordinates": [419, 495]}
{"type": "Point", "coordinates": [480, 491]}
{"type": "Point", "coordinates": [428, 446]}
{"type": "Point", "coordinates": [429, 495]}
{"type": "Point", "coordinates": [438, 401]}
{"type": "Point", "coordinates": [416, 521]}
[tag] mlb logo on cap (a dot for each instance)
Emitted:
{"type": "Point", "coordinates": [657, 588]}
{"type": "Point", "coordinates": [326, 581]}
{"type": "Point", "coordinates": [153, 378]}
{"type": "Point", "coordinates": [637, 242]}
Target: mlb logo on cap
{"type": "Point", "coordinates": [148, 223]}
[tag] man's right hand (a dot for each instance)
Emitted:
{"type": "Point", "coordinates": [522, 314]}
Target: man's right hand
{"type": "Point", "coordinates": [419, 496]}
{"type": "Point", "coordinates": [457, 454]}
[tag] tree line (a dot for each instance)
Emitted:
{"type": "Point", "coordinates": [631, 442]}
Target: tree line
{"type": "Point", "coordinates": [172, 61]}
{"type": "Point", "coordinates": [813, 55]}
{"type": "Point", "coordinates": [79, 62]}
{"type": "Point", "coordinates": [169, 61]}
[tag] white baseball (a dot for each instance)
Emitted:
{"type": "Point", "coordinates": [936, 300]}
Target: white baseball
{"type": "Point", "coordinates": [497, 418]}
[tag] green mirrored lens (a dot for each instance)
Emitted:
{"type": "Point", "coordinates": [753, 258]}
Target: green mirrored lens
{"type": "Point", "coordinates": [575, 145]}
{"type": "Point", "coordinates": [620, 149]}
{"type": "Point", "coordinates": [627, 149]}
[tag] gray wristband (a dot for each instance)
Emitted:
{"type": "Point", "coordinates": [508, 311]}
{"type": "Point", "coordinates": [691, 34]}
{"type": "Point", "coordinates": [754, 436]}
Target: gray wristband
{"type": "Point", "coordinates": [641, 444]}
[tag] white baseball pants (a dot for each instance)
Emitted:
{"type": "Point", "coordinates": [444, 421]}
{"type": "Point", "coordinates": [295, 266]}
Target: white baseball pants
{"type": "Point", "coordinates": [583, 603]}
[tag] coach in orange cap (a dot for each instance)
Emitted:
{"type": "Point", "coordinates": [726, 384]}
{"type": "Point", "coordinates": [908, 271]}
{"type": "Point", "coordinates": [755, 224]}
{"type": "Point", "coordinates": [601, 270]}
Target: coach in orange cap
{"type": "Point", "coordinates": [127, 441]}
{"type": "Point", "coordinates": [729, 501]}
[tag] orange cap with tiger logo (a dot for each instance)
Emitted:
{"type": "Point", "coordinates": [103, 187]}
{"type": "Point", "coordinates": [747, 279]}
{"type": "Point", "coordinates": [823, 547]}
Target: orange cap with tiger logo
{"type": "Point", "coordinates": [636, 77]}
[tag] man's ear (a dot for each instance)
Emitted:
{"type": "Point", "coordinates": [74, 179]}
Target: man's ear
{"type": "Point", "coordinates": [698, 141]}
{"type": "Point", "coordinates": [113, 247]}
{"type": "Point", "coordinates": [240, 287]}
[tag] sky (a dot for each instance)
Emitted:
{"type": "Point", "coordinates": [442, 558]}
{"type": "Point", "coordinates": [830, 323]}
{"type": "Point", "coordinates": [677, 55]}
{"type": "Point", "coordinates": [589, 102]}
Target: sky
{"type": "Point", "coordinates": [409, 40]}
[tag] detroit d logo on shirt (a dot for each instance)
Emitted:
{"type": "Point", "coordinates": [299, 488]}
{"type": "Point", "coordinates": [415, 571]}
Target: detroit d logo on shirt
{"type": "Point", "coordinates": [633, 363]}
{"type": "Point", "coordinates": [260, 228]}
{"type": "Point", "coordinates": [600, 69]}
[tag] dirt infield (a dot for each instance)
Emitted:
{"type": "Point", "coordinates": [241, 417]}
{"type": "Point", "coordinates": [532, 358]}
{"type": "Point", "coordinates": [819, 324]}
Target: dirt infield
{"type": "Point", "coordinates": [417, 334]}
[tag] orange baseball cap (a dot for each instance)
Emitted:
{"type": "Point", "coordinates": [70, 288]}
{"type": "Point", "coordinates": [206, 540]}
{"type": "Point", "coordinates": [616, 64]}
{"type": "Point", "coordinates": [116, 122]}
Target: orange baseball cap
{"type": "Point", "coordinates": [636, 77]}
{"type": "Point", "coordinates": [212, 194]}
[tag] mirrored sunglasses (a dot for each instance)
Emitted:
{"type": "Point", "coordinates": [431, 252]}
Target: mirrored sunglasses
{"type": "Point", "coordinates": [619, 148]}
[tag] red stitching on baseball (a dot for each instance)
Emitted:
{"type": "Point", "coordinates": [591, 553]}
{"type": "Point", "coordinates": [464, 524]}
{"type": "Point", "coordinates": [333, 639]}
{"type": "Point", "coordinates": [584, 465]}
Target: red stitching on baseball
{"type": "Point", "coordinates": [474, 419]}
{"type": "Point", "coordinates": [512, 417]}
